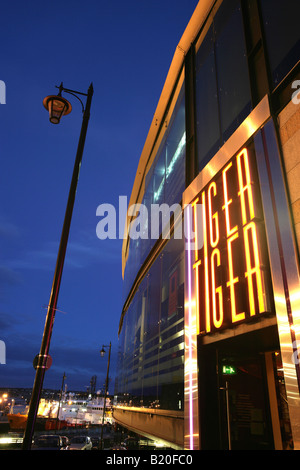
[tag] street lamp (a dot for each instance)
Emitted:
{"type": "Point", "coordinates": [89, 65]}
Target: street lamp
{"type": "Point", "coordinates": [57, 107]}
{"type": "Point", "coordinates": [102, 353]}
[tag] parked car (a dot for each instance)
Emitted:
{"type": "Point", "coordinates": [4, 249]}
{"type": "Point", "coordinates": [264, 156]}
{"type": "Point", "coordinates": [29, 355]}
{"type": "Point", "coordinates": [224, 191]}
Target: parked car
{"type": "Point", "coordinates": [80, 443]}
{"type": "Point", "coordinates": [49, 442]}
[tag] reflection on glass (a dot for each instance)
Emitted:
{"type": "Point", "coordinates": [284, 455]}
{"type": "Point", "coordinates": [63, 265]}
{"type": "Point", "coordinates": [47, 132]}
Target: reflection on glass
{"type": "Point", "coordinates": [151, 358]}
{"type": "Point", "coordinates": [164, 184]}
{"type": "Point", "coordinates": [285, 425]}
{"type": "Point", "coordinates": [208, 129]}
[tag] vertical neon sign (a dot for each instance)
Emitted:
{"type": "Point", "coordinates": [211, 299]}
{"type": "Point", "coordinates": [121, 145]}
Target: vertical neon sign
{"type": "Point", "coordinates": [227, 275]}
{"type": "Point", "coordinates": [191, 434]}
{"type": "Point", "coordinates": [228, 272]}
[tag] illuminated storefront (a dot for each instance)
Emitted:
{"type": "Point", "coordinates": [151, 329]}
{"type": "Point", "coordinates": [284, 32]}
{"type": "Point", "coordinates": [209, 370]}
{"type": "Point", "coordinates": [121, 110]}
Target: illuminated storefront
{"type": "Point", "coordinates": [232, 286]}
{"type": "Point", "coordinates": [210, 324]}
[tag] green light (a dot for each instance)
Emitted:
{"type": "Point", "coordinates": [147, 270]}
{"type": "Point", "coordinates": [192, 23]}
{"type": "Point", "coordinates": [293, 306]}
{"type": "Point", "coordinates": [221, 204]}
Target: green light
{"type": "Point", "coordinates": [229, 370]}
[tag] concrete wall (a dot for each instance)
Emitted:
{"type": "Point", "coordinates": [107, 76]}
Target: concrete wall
{"type": "Point", "coordinates": [289, 130]}
{"type": "Point", "coordinates": [165, 425]}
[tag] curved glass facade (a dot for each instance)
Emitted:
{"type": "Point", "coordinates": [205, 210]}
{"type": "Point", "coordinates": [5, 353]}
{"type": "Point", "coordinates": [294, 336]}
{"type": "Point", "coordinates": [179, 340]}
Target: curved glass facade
{"type": "Point", "coordinates": [151, 343]}
{"type": "Point", "coordinates": [234, 79]}
{"type": "Point", "coordinates": [164, 184]}
{"type": "Point", "coordinates": [151, 353]}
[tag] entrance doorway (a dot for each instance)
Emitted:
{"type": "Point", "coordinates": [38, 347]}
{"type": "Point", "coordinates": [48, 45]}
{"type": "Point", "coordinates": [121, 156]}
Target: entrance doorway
{"type": "Point", "coordinates": [253, 406]}
{"type": "Point", "coordinates": [242, 397]}
{"type": "Point", "coordinates": [244, 411]}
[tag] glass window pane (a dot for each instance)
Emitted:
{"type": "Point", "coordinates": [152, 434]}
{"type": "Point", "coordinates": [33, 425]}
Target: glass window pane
{"type": "Point", "coordinates": [175, 154]}
{"type": "Point", "coordinates": [159, 177]}
{"type": "Point", "coordinates": [223, 98]}
{"type": "Point", "coordinates": [164, 184]}
{"type": "Point", "coordinates": [208, 129]}
{"type": "Point", "coordinates": [132, 266]}
{"type": "Point", "coordinates": [150, 363]}
{"type": "Point", "coordinates": [153, 300]}
{"type": "Point", "coordinates": [282, 33]}
{"type": "Point", "coordinates": [232, 67]}
{"type": "Point", "coordinates": [171, 334]}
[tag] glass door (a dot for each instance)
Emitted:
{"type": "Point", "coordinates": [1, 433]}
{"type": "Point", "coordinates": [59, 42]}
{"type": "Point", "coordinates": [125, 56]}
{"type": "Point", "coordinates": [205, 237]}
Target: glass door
{"type": "Point", "coordinates": [244, 405]}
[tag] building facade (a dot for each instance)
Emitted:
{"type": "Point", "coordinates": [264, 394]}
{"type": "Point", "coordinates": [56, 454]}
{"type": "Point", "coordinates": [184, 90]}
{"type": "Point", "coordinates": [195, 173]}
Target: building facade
{"type": "Point", "coordinates": [209, 331]}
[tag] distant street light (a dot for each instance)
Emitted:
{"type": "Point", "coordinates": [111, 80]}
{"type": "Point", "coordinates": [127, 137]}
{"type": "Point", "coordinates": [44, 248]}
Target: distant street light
{"type": "Point", "coordinates": [57, 107]}
{"type": "Point", "coordinates": [60, 398]}
{"type": "Point", "coordinates": [102, 353]}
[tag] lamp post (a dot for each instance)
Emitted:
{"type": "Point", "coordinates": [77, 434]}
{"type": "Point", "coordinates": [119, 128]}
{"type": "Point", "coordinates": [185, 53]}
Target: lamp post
{"type": "Point", "coordinates": [102, 353]}
{"type": "Point", "coordinates": [57, 107]}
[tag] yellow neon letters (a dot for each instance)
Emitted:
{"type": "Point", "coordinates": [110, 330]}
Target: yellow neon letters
{"type": "Point", "coordinates": [245, 186]}
{"type": "Point", "coordinates": [217, 294]}
{"type": "Point", "coordinates": [227, 202]}
{"type": "Point", "coordinates": [228, 268]}
{"type": "Point", "coordinates": [253, 269]}
{"type": "Point", "coordinates": [233, 280]}
{"type": "Point", "coordinates": [213, 218]}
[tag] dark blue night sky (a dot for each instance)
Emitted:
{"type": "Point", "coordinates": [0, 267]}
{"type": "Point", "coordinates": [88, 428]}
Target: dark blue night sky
{"type": "Point", "coordinates": [125, 49]}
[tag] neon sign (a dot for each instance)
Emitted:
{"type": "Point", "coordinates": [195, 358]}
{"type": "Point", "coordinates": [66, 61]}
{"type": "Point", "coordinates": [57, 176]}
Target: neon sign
{"type": "Point", "coordinates": [230, 269]}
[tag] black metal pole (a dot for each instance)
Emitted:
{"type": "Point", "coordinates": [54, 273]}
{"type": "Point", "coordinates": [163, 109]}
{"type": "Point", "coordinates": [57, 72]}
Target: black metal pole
{"type": "Point", "coordinates": [45, 345]}
{"type": "Point", "coordinates": [105, 393]}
